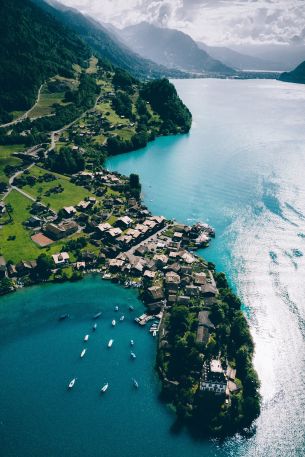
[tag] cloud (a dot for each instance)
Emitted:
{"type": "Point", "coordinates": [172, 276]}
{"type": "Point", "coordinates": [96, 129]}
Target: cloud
{"type": "Point", "coordinates": [212, 21]}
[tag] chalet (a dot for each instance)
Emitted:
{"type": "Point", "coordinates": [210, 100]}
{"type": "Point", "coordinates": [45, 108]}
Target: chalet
{"type": "Point", "coordinates": [69, 210]}
{"type": "Point", "coordinates": [174, 267]}
{"type": "Point", "coordinates": [80, 265]}
{"type": "Point", "coordinates": [141, 250]}
{"type": "Point", "coordinates": [125, 241]}
{"type": "Point", "coordinates": [3, 269]}
{"type": "Point", "coordinates": [183, 300]}
{"type": "Point", "coordinates": [160, 220]}
{"type": "Point", "coordinates": [103, 228]}
{"type": "Point", "coordinates": [160, 260]}
{"type": "Point", "coordinates": [172, 280]}
{"type": "Point", "coordinates": [34, 221]}
{"type": "Point", "coordinates": [177, 236]}
{"type": "Point", "coordinates": [200, 278]}
{"type": "Point", "coordinates": [192, 291]}
{"type": "Point", "coordinates": [186, 270]}
{"type": "Point", "coordinates": [123, 222]}
{"type": "Point", "coordinates": [84, 205]}
{"type": "Point", "coordinates": [188, 258]}
{"type": "Point", "coordinates": [25, 267]}
{"type": "Point", "coordinates": [11, 269]}
{"type": "Point", "coordinates": [115, 265]}
{"type": "Point", "coordinates": [204, 327]}
{"type": "Point", "coordinates": [61, 230]}
{"type": "Point", "coordinates": [156, 293]}
{"type": "Point", "coordinates": [150, 224]}
{"type": "Point", "coordinates": [208, 290]}
{"type": "Point", "coordinates": [113, 233]}
{"type": "Point", "coordinates": [61, 259]}
{"type": "Point", "coordinates": [149, 275]}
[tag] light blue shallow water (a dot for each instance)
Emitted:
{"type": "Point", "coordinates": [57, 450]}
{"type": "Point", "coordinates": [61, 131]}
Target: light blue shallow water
{"type": "Point", "coordinates": [240, 169]}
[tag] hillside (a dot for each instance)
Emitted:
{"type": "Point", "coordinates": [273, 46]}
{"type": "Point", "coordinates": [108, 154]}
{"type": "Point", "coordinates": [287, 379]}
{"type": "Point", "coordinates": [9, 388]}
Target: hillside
{"type": "Point", "coordinates": [295, 76]}
{"type": "Point", "coordinates": [33, 47]}
{"type": "Point", "coordinates": [104, 43]}
{"type": "Point", "coordinates": [171, 48]}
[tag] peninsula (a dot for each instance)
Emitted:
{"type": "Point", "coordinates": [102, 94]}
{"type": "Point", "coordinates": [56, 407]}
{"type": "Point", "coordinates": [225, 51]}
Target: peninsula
{"type": "Point", "coordinates": [62, 214]}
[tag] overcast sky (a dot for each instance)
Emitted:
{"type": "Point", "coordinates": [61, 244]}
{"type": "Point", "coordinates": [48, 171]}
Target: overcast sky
{"type": "Point", "coordinates": [211, 21]}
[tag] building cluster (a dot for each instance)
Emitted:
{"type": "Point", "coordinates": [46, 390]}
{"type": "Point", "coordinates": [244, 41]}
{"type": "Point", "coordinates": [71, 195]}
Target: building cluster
{"type": "Point", "coordinates": [217, 379]}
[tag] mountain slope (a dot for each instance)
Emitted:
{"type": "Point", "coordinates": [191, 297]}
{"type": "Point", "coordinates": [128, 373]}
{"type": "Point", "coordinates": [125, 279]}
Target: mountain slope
{"type": "Point", "coordinates": [295, 76]}
{"type": "Point", "coordinates": [238, 60]}
{"type": "Point", "coordinates": [171, 48]}
{"type": "Point", "coordinates": [33, 47]}
{"type": "Point", "coordinates": [104, 43]}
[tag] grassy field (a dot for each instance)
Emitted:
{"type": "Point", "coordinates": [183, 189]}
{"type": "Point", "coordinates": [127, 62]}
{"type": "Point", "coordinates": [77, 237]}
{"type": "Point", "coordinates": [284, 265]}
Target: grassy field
{"type": "Point", "coordinates": [44, 107]}
{"type": "Point", "coordinates": [113, 118]}
{"type": "Point", "coordinates": [92, 65]}
{"type": "Point", "coordinates": [71, 195]}
{"type": "Point", "coordinates": [7, 158]}
{"type": "Point", "coordinates": [22, 247]}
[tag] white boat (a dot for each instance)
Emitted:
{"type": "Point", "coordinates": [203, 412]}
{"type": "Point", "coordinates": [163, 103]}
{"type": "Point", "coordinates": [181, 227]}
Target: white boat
{"type": "Point", "coordinates": [86, 338]}
{"type": "Point", "coordinates": [132, 355]}
{"type": "Point", "coordinates": [135, 383]}
{"type": "Point", "coordinates": [71, 383]}
{"type": "Point", "coordinates": [113, 322]}
{"type": "Point", "coordinates": [104, 388]}
{"type": "Point", "coordinates": [83, 353]}
{"type": "Point", "coordinates": [110, 343]}
{"type": "Point", "coordinates": [131, 308]}
{"type": "Point", "coordinates": [116, 308]}
{"type": "Point", "coordinates": [94, 327]}
{"type": "Point", "coordinates": [131, 342]}
{"type": "Point", "coordinates": [122, 318]}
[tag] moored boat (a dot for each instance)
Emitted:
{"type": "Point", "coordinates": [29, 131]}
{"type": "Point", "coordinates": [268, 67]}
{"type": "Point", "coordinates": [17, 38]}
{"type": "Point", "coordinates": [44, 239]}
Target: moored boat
{"type": "Point", "coordinates": [83, 353]}
{"type": "Point", "coordinates": [131, 342]}
{"type": "Point", "coordinates": [113, 322]}
{"type": "Point", "coordinates": [71, 383]}
{"type": "Point", "coordinates": [131, 308]}
{"type": "Point", "coordinates": [104, 388]}
{"type": "Point", "coordinates": [132, 355]}
{"type": "Point", "coordinates": [86, 337]}
{"type": "Point", "coordinates": [94, 327]}
{"type": "Point", "coordinates": [122, 318]}
{"type": "Point", "coordinates": [97, 315]}
{"type": "Point", "coordinates": [116, 308]}
{"type": "Point", "coordinates": [135, 383]}
{"type": "Point", "coordinates": [110, 343]}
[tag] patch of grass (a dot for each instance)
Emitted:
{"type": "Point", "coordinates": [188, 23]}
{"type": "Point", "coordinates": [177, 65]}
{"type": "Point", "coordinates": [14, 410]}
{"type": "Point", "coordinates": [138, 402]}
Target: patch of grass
{"type": "Point", "coordinates": [92, 65]}
{"type": "Point", "coordinates": [71, 195]}
{"type": "Point", "coordinates": [22, 247]}
{"type": "Point", "coordinates": [17, 114]}
{"type": "Point", "coordinates": [7, 158]}
{"type": "Point", "coordinates": [44, 107]}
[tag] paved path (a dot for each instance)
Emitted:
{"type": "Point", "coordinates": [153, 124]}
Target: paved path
{"type": "Point", "coordinates": [25, 115]}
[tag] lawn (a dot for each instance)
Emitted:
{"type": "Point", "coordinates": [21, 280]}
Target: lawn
{"type": "Point", "coordinates": [22, 247]}
{"type": "Point", "coordinates": [44, 106]}
{"type": "Point", "coordinates": [71, 195]}
{"type": "Point", "coordinates": [113, 118]}
{"type": "Point", "coordinates": [7, 158]}
{"type": "Point", "coordinates": [92, 65]}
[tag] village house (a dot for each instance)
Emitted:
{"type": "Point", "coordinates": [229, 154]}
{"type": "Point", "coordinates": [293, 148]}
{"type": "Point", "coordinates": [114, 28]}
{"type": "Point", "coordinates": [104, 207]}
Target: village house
{"type": "Point", "coordinates": [112, 234]}
{"type": "Point", "coordinates": [61, 258]}
{"type": "Point", "coordinates": [208, 290]}
{"type": "Point", "coordinates": [160, 260]}
{"type": "Point", "coordinates": [103, 228]}
{"type": "Point", "coordinates": [115, 265]}
{"type": "Point", "coordinates": [205, 326]}
{"type": "Point", "coordinates": [61, 230]}
{"type": "Point", "coordinates": [192, 291]}
{"type": "Point", "coordinates": [200, 278]}
{"type": "Point", "coordinates": [84, 205]}
{"type": "Point", "coordinates": [25, 267]}
{"type": "Point", "coordinates": [183, 300]}
{"type": "Point", "coordinates": [34, 222]}
{"type": "Point", "coordinates": [69, 210]}
{"type": "Point", "coordinates": [172, 281]}
{"type": "Point", "coordinates": [123, 222]}
{"type": "Point", "coordinates": [2, 208]}
{"type": "Point", "coordinates": [155, 293]}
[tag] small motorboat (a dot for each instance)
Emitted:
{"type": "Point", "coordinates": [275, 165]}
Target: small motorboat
{"type": "Point", "coordinates": [131, 342]}
{"type": "Point", "coordinates": [63, 317]}
{"type": "Point", "coordinates": [97, 315]}
{"type": "Point", "coordinates": [104, 388]}
{"type": "Point", "coordinates": [71, 383]}
{"type": "Point", "coordinates": [94, 327]}
{"type": "Point", "coordinates": [83, 353]}
{"type": "Point", "coordinates": [116, 308]}
{"type": "Point", "coordinates": [135, 383]}
{"type": "Point", "coordinates": [110, 343]}
{"type": "Point", "coordinates": [122, 318]}
{"type": "Point", "coordinates": [131, 308]}
{"type": "Point", "coordinates": [86, 337]}
{"type": "Point", "coordinates": [113, 322]}
{"type": "Point", "coordinates": [132, 355]}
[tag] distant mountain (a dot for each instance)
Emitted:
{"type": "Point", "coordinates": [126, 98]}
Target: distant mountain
{"type": "Point", "coordinates": [295, 76]}
{"type": "Point", "coordinates": [104, 43]}
{"type": "Point", "coordinates": [238, 60]}
{"type": "Point", "coordinates": [287, 56]}
{"type": "Point", "coordinates": [33, 47]}
{"type": "Point", "coordinates": [171, 48]}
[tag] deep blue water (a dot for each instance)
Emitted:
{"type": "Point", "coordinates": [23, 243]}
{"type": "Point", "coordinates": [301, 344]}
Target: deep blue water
{"type": "Point", "coordinates": [241, 170]}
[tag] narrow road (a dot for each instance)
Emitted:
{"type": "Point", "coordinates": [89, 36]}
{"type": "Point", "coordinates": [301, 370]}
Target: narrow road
{"type": "Point", "coordinates": [25, 115]}
{"type": "Point", "coordinates": [25, 194]}
{"type": "Point", "coordinates": [147, 240]}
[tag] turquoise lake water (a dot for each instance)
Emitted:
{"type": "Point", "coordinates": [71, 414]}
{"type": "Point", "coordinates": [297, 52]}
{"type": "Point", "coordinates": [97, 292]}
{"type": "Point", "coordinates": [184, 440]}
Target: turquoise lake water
{"type": "Point", "coordinates": [241, 169]}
